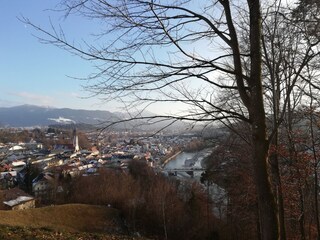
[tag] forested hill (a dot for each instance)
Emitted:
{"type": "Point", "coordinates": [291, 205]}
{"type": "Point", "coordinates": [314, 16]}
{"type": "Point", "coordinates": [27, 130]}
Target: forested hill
{"type": "Point", "coordinates": [36, 116]}
{"type": "Point", "coordinates": [29, 116]}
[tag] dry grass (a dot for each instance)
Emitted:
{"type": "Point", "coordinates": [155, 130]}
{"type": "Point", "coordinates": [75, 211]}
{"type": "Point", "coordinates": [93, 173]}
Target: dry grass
{"type": "Point", "coordinates": [70, 217]}
{"type": "Point", "coordinates": [25, 233]}
{"type": "Point", "coordinates": [63, 222]}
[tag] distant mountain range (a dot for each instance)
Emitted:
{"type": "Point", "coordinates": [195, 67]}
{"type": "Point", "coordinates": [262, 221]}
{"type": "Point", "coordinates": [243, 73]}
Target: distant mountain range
{"type": "Point", "coordinates": [31, 116]}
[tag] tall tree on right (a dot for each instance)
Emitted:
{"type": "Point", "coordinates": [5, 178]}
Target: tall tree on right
{"type": "Point", "coordinates": [186, 74]}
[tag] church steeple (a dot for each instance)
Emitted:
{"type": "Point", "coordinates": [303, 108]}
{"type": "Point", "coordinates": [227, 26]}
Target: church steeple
{"type": "Point", "coordinates": [75, 140]}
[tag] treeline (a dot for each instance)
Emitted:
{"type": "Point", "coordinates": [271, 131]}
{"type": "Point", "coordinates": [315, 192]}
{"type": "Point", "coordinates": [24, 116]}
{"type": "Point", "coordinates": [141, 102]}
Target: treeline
{"type": "Point", "coordinates": [294, 179]}
{"type": "Point", "coordinates": [150, 203]}
{"type": "Point", "coordinates": [10, 136]}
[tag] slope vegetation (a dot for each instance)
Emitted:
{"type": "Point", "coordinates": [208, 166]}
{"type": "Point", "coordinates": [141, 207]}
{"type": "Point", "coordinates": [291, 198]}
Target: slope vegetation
{"type": "Point", "coordinates": [62, 222]}
{"type": "Point", "coordinates": [70, 217]}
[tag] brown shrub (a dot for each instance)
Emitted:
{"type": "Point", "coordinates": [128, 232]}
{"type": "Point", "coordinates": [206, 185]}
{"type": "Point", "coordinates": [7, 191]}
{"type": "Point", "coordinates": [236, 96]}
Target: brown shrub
{"type": "Point", "coordinates": [149, 202]}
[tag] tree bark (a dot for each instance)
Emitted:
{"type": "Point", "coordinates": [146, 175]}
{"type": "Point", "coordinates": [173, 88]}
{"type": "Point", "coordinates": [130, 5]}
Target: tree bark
{"type": "Point", "coordinates": [315, 164]}
{"type": "Point", "coordinates": [266, 201]}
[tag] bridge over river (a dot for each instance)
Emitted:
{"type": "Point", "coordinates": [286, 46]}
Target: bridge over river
{"type": "Point", "coordinates": [183, 170]}
{"type": "Point", "coordinates": [189, 171]}
{"type": "Point", "coordinates": [186, 162]}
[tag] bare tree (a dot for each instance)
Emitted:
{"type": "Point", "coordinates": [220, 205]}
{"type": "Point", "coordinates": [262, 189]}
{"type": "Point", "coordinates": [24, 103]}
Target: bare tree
{"type": "Point", "coordinates": [185, 52]}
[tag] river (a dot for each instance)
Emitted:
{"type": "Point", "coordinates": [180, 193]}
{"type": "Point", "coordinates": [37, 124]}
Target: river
{"type": "Point", "coordinates": [179, 162]}
{"type": "Point", "coordinates": [217, 194]}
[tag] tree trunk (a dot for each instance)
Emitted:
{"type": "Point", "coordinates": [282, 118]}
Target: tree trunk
{"type": "Point", "coordinates": [279, 197]}
{"type": "Point", "coordinates": [302, 215]}
{"type": "Point", "coordinates": [274, 159]}
{"type": "Point", "coordinates": [316, 201]}
{"type": "Point", "coordinates": [274, 162]}
{"type": "Point", "coordinates": [266, 201]}
{"type": "Point", "coordinates": [164, 219]}
{"type": "Point", "coordinates": [315, 164]}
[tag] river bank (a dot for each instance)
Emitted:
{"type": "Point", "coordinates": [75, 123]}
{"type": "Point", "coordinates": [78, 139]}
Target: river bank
{"type": "Point", "coordinates": [170, 158]}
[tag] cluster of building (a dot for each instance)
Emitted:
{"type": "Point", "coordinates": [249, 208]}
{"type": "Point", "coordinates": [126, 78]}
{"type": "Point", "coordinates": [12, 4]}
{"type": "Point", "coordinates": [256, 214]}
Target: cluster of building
{"type": "Point", "coordinates": [37, 170]}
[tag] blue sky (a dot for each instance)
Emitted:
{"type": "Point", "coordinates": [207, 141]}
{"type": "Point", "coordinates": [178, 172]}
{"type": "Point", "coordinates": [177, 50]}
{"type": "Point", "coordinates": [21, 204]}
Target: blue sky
{"type": "Point", "coordinates": [38, 74]}
{"type": "Point", "coordinates": [35, 73]}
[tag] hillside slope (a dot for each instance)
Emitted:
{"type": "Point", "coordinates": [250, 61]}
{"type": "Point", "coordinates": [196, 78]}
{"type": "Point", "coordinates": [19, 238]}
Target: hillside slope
{"type": "Point", "coordinates": [70, 217]}
{"type": "Point", "coordinates": [29, 115]}
{"type": "Point", "coordinates": [70, 221]}
{"type": "Point", "coordinates": [35, 116]}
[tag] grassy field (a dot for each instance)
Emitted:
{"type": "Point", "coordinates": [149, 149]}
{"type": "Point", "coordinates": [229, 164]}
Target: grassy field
{"type": "Point", "coordinates": [71, 221]}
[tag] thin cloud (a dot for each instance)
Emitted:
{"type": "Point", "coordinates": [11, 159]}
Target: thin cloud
{"type": "Point", "coordinates": [37, 99]}
{"type": "Point", "coordinates": [8, 103]}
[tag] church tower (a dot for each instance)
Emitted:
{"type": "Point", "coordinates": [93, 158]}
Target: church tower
{"type": "Point", "coordinates": [75, 140]}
